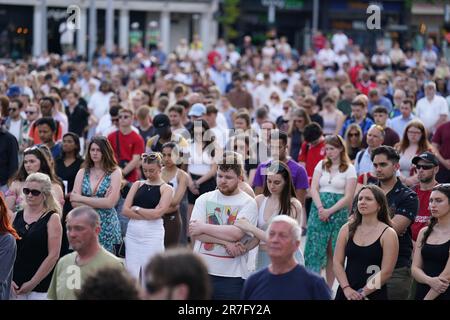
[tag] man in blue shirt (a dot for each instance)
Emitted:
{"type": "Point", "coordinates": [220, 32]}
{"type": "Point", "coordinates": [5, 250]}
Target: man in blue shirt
{"type": "Point", "coordinates": [359, 115]}
{"type": "Point", "coordinates": [399, 123]}
{"type": "Point", "coordinates": [375, 99]}
{"type": "Point", "coordinates": [284, 278]}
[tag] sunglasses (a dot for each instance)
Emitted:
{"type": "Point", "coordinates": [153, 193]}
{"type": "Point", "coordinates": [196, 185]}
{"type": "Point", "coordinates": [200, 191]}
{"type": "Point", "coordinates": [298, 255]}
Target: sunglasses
{"type": "Point", "coordinates": [424, 166]}
{"type": "Point", "coordinates": [150, 156]}
{"type": "Point", "coordinates": [34, 192]}
{"type": "Point", "coordinates": [353, 135]}
{"type": "Point", "coordinates": [31, 149]}
{"type": "Point", "coordinates": [12, 109]}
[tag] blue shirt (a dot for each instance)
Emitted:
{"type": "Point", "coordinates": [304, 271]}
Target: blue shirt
{"type": "Point", "coordinates": [398, 124]}
{"type": "Point", "coordinates": [297, 284]}
{"type": "Point", "coordinates": [385, 102]}
{"type": "Point", "coordinates": [365, 125]}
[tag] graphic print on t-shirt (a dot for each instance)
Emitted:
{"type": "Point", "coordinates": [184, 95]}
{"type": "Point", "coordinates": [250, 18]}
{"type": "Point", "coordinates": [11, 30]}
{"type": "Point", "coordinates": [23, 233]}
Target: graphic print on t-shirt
{"type": "Point", "coordinates": [218, 214]}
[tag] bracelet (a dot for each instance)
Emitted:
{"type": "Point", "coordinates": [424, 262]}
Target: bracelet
{"type": "Point", "coordinates": [344, 287]}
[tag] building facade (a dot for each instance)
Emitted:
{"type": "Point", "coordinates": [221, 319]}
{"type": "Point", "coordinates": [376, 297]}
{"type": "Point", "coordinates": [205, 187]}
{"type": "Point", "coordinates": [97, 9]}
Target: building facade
{"type": "Point", "coordinates": [30, 27]}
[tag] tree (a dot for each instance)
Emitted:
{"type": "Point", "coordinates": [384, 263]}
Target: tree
{"type": "Point", "coordinates": [230, 14]}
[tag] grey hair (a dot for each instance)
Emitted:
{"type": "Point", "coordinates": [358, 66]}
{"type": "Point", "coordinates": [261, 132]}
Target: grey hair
{"type": "Point", "coordinates": [430, 84]}
{"type": "Point", "coordinates": [92, 215]}
{"type": "Point", "coordinates": [296, 231]}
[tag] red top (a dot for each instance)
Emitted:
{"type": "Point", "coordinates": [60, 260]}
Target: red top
{"type": "Point", "coordinates": [130, 145]}
{"type": "Point", "coordinates": [34, 135]}
{"type": "Point", "coordinates": [423, 215]}
{"type": "Point", "coordinates": [311, 156]}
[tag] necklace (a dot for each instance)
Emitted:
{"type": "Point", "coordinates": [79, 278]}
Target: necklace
{"type": "Point", "coordinates": [96, 175]}
{"type": "Point", "coordinates": [29, 225]}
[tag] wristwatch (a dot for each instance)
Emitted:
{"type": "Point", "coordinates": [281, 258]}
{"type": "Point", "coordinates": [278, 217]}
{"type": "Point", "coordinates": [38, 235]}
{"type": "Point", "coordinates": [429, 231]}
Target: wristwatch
{"type": "Point", "coordinates": [136, 209]}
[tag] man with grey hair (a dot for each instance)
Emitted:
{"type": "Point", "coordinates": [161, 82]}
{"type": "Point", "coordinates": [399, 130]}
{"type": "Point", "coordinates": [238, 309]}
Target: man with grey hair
{"type": "Point", "coordinates": [284, 278]}
{"type": "Point", "coordinates": [83, 228]}
{"type": "Point", "coordinates": [432, 109]}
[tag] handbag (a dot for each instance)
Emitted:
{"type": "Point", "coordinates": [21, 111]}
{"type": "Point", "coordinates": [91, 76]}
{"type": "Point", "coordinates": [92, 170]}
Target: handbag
{"type": "Point", "coordinates": [120, 250]}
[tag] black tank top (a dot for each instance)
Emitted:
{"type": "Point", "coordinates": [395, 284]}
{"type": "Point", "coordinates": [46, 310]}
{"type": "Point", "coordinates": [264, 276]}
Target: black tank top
{"type": "Point", "coordinates": [32, 249]}
{"type": "Point", "coordinates": [147, 196]}
{"type": "Point", "coordinates": [434, 259]}
{"type": "Point", "coordinates": [358, 269]}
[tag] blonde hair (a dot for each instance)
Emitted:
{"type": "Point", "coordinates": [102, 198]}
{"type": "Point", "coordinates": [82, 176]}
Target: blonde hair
{"type": "Point", "coordinates": [50, 203]}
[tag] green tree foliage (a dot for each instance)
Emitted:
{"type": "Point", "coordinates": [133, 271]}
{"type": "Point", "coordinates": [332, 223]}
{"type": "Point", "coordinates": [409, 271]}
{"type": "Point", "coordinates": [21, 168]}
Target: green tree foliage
{"type": "Point", "coordinates": [231, 13]}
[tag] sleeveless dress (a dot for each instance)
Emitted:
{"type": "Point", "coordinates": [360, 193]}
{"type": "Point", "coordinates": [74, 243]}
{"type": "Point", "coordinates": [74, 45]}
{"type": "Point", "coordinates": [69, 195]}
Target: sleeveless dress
{"type": "Point", "coordinates": [109, 221]}
{"type": "Point", "coordinates": [358, 269]}
{"type": "Point", "coordinates": [434, 257]}
{"type": "Point", "coordinates": [262, 258]}
{"type": "Point", "coordinates": [32, 250]}
{"type": "Point", "coordinates": [172, 220]}
{"type": "Point", "coordinates": [144, 238]}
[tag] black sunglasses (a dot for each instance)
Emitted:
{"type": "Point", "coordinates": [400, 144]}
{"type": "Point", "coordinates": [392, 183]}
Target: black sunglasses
{"type": "Point", "coordinates": [34, 192]}
{"type": "Point", "coordinates": [424, 166]}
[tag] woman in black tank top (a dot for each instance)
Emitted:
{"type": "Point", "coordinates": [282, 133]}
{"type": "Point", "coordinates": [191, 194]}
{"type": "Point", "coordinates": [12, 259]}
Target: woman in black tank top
{"type": "Point", "coordinates": [370, 246]}
{"type": "Point", "coordinates": [39, 227]}
{"type": "Point", "coordinates": [430, 265]}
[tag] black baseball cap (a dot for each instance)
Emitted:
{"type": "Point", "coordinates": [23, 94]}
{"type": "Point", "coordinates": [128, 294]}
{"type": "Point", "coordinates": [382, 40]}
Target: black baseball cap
{"type": "Point", "coordinates": [160, 122]}
{"type": "Point", "coordinates": [426, 156]}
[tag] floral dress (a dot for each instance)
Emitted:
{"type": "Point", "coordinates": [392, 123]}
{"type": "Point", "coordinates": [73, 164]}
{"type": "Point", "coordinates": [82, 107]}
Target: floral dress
{"type": "Point", "coordinates": [109, 221]}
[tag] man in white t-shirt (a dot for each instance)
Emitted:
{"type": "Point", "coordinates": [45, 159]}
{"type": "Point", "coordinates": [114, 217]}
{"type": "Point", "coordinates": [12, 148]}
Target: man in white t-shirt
{"type": "Point", "coordinates": [212, 228]}
{"type": "Point", "coordinates": [340, 41]}
{"type": "Point", "coordinates": [432, 109]}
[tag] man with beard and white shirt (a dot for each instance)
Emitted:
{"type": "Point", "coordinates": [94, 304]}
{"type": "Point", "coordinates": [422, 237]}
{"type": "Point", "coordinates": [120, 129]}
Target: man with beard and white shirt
{"type": "Point", "coordinates": [211, 227]}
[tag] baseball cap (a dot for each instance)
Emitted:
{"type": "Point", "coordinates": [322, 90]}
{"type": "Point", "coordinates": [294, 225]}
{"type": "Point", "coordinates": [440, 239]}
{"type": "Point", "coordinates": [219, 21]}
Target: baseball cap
{"type": "Point", "coordinates": [13, 91]}
{"type": "Point", "coordinates": [160, 122]}
{"type": "Point", "coordinates": [426, 156]}
{"type": "Point", "coordinates": [197, 110]}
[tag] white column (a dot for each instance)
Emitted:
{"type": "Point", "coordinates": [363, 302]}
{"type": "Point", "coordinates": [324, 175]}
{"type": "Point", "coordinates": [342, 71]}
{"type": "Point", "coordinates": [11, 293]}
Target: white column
{"type": "Point", "coordinates": [109, 32]}
{"type": "Point", "coordinates": [82, 32]}
{"type": "Point", "coordinates": [205, 30]}
{"type": "Point", "coordinates": [44, 26]}
{"type": "Point", "coordinates": [37, 30]}
{"type": "Point", "coordinates": [92, 30]}
{"type": "Point", "coordinates": [165, 30]}
{"type": "Point", "coordinates": [124, 30]}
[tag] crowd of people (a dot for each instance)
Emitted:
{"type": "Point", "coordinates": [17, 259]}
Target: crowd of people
{"type": "Point", "coordinates": [197, 175]}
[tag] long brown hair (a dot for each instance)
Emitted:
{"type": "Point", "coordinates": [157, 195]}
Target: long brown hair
{"type": "Point", "coordinates": [337, 142]}
{"type": "Point", "coordinates": [424, 144]}
{"type": "Point", "coordinates": [442, 188]}
{"type": "Point", "coordinates": [383, 214]}
{"type": "Point", "coordinates": [288, 192]}
{"type": "Point", "coordinates": [5, 223]}
{"type": "Point", "coordinates": [109, 162]}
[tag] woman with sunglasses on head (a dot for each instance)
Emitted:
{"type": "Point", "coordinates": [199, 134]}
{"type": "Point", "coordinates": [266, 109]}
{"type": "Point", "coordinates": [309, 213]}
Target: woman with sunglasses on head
{"type": "Point", "coordinates": [8, 250]}
{"type": "Point", "coordinates": [278, 198]}
{"type": "Point", "coordinates": [431, 261]}
{"type": "Point", "coordinates": [369, 245]}
{"type": "Point", "coordinates": [97, 185]}
{"type": "Point", "coordinates": [178, 179]}
{"type": "Point", "coordinates": [146, 203]}
{"type": "Point", "coordinates": [332, 189]}
{"type": "Point", "coordinates": [353, 140]}
{"type": "Point", "coordinates": [40, 230]}
{"type": "Point", "coordinates": [34, 160]}
{"type": "Point", "coordinates": [413, 143]}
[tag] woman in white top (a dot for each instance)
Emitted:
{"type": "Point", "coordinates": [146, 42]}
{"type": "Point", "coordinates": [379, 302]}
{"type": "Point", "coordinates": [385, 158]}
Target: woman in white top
{"type": "Point", "coordinates": [332, 189]}
{"type": "Point", "coordinates": [333, 119]}
{"type": "Point", "coordinates": [413, 143]}
{"type": "Point", "coordinates": [278, 198]}
{"type": "Point", "coordinates": [178, 179]}
{"type": "Point", "coordinates": [201, 168]}
{"type": "Point", "coordinates": [146, 203]}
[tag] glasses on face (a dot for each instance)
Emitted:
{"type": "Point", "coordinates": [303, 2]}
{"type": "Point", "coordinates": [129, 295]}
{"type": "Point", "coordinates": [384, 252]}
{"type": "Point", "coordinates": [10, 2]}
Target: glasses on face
{"type": "Point", "coordinates": [12, 109]}
{"type": "Point", "coordinates": [30, 112]}
{"type": "Point", "coordinates": [424, 166]}
{"type": "Point", "coordinates": [351, 135]}
{"type": "Point", "coordinates": [416, 133]}
{"type": "Point", "coordinates": [34, 192]}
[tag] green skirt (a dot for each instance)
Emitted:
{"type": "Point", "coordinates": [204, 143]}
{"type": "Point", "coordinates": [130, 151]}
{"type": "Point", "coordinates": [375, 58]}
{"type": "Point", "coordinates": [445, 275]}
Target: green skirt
{"type": "Point", "coordinates": [320, 233]}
